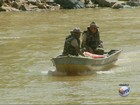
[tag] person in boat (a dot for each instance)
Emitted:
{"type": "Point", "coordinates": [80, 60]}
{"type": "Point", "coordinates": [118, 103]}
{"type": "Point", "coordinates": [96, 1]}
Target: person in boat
{"type": "Point", "coordinates": [72, 43]}
{"type": "Point", "coordinates": [91, 40]}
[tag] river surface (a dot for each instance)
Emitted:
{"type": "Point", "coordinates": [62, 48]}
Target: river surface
{"type": "Point", "coordinates": [28, 41]}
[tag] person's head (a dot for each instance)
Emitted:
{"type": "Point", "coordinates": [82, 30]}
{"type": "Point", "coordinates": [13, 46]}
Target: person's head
{"type": "Point", "coordinates": [77, 32]}
{"type": "Point", "coordinates": [93, 27]}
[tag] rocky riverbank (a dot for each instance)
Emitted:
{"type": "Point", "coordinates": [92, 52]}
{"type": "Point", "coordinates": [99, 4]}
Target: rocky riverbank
{"type": "Point", "coordinates": [28, 5]}
{"type": "Point", "coordinates": [35, 5]}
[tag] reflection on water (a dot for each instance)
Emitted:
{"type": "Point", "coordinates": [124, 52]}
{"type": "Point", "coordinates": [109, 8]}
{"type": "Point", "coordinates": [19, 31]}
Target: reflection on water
{"type": "Point", "coordinates": [28, 41]}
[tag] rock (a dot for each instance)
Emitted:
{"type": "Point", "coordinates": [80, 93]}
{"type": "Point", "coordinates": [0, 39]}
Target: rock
{"type": "Point", "coordinates": [1, 2]}
{"type": "Point", "coordinates": [2, 9]}
{"type": "Point", "coordinates": [5, 8]}
{"type": "Point", "coordinates": [41, 6]}
{"type": "Point", "coordinates": [8, 8]}
{"type": "Point", "coordinates": [133, 2]}
{"type": "Point", "coordinates": [33, 6]}
{"type": "Point", "coordinates": [22, 7]}
{"type": "Point", "coordinates": [70, 4]}
{"type": "Point", "coordinates": [8, 2]}
{"type": "Point", "coordinates": [102, 3]}
{"type": "Point", "coordinates": [49, 2]}
{"type": "Point", "coordinates": [14, 4]}
{"type": "Point", "coordinates": [14, 9]}
{"type": "Point", "coordinates": [33, 2]}
{"type": "Point", "coordinates": [117, 6]}
{"type": "Point", "coordinates": [89, 4]}
{"type": "Point", "coordinates": [23, 2]}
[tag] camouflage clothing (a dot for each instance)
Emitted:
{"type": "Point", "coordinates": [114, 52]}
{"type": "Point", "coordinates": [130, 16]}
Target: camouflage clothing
{"type": "Point", "coordinates": [91, 40]}
{"type": "Point", "coordinates": [68, 47]}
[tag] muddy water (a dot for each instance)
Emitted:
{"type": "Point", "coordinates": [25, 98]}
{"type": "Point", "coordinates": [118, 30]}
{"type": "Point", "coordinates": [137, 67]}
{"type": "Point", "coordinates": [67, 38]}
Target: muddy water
{"type": "Point", "coordinates": [28, 40]}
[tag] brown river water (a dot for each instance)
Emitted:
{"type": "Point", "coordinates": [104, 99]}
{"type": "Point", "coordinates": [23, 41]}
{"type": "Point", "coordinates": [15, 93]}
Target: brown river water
{"type": "Point", "coordinates": [28, 41]}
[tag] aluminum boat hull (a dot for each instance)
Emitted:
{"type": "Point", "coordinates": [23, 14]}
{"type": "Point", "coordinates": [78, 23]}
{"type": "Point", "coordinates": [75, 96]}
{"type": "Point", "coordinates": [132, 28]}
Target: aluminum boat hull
{"type": "Point", "coordinates": [74, 64]}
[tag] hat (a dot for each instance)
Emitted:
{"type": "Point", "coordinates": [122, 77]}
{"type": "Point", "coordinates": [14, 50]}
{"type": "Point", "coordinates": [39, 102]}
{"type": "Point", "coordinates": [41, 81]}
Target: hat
{"type": "Point", "coordinates": [76, 30]}
{"type": "Point", "coordinates": [92, 24]}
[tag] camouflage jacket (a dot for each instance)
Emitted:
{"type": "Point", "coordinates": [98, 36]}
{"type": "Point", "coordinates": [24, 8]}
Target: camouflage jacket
{"type": "Point", "coordinates": [68, 48]}
{"type": "Point", "coordinates": [92, 39]}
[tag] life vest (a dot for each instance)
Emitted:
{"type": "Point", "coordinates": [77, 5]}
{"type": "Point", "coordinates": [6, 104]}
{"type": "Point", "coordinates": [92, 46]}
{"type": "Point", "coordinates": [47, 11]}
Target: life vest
{"type": "Point", "coordinates": [93, 39]}
{"type": "Point", "coordinates": [68, 48]}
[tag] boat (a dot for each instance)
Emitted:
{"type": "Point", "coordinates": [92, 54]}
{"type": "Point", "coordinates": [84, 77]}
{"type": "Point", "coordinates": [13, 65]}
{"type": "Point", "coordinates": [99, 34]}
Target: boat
{"type": "Point", "coordinates": [75, 64]}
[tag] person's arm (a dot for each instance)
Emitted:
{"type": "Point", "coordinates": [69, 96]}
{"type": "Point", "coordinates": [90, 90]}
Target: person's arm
{"type": "Point", "coordinates": [84, 41]}
{"type": "Point", "coordinates": [74, 43]}
{"type": "Point", "coordinates": [100, 43]}
{"type": "Point", "coordinates": [78, 50]}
